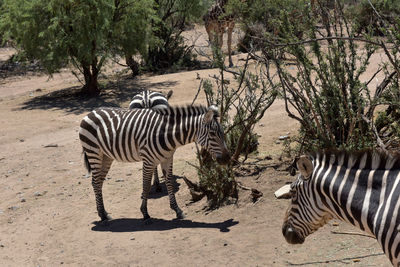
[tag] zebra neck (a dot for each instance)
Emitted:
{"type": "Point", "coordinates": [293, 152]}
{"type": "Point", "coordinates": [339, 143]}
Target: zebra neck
{"type": "Point", "coordinates": [186, 129]}
{"type": "Point", "coordinates": [358, 196]}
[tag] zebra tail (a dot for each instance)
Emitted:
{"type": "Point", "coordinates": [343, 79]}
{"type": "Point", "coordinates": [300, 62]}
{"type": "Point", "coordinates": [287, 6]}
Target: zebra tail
{"type": "Point", "coordinates": [87, 164]}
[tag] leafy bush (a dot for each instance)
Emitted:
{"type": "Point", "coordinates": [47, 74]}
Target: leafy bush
{"type": "Point", "coordinates": [241, 108]}
{"type": "Point", "coordinates": [322, 87]}
{"type": "Point", "coordinates": [367, 20]}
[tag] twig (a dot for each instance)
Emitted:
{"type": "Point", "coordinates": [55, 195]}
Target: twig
{"type": "Point", "coordinates": [198, 92]}
{"type": "Point", "coordinates": [352, 233]}
{"type": "Point", "coordinates": [51, 145]}
{"type": "Point", "coordinates": [375, 131]}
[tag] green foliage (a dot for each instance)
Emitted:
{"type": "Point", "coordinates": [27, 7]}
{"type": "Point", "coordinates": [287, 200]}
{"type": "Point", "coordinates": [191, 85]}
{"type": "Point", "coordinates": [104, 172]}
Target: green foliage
{"type": "Point", "coordinates": [168, 48]}
{"type": "Point", "coordinates": [322, 89]}
{"type": "Point", "coordinates": [131, 27]}
{"type": "Point", "coordinates": [366, 19]}
{"type": "Point", "coordinates": [82, 33]}
{"type": "Point", "coordinates": [241, 107]}
{"type": "Point", "coordinates": [269, 19]}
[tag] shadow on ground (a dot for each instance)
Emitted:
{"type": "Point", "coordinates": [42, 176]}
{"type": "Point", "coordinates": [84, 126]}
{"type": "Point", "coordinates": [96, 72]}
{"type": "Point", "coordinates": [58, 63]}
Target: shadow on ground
{"type": "Point", "coordinates": [155, 195]}
{"type": "Point", "coordinates": [136, 225]}
{"type": "Point", "coordinates": [113, 94]}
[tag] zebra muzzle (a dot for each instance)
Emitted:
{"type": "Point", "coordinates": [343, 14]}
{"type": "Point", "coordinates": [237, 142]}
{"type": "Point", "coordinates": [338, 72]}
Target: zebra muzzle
{"type": "Point", "coordinates": [291, 236]}
{"type": "Point", "coordinates": [223, 159]}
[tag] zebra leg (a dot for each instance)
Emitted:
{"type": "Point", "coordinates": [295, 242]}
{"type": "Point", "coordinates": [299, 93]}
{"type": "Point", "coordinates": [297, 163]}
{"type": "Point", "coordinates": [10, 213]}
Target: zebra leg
{"type": "Point", "coordinates": [156, 182]}
{"type": "Point", "coordinates": [148, 169]}
{"type": "Point", "coordinates": [167, 171]}
{"type": "Point", "coordinates": [100, 168]}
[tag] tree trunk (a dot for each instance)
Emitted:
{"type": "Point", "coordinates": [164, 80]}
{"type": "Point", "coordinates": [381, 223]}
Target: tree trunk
{"type": "Point", "coordinates": [91, 87]}
{"type": "Point", "coordinates": [133, 65]}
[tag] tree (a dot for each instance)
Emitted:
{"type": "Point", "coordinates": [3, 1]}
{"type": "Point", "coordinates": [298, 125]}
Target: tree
{"type": "Point", "coordinates": [81, 33]}
{"type": "Point", "coordinates": [172, 17]}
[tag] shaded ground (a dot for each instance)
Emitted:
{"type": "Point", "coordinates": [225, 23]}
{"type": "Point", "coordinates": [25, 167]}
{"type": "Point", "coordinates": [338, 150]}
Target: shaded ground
{"type": "Point", "coordinates": [47, 207]}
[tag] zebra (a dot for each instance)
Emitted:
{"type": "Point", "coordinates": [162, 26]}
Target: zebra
{"type": "Point", "coordinates": [150, 136]}
{"type": "Point", "coordinates": [150, 99]}
{"type": "Point", "coordinates": [359, 188]}
{"type": "Point", "coordinates": [154, 100]}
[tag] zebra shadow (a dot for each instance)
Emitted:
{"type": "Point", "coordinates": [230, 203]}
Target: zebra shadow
{"type": "Point", "coordinates": [137, 225]}
{"type": "Point", "coordinates": [155, 195]}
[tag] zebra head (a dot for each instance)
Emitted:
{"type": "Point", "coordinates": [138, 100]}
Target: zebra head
{"type": "Point", "coordinates": [211, 136]}
{"type": "Point", "coordinates": [305, 213]}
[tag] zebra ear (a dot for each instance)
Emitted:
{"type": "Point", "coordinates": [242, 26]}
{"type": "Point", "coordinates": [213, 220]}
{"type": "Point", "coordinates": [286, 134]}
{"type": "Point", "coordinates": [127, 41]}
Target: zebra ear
{"type": "Point", "coordinates": [305, 166]}
{"type": "Point", "coordinates": [211, 113]}
{"type": "Point", "coordinates": [169, 94]}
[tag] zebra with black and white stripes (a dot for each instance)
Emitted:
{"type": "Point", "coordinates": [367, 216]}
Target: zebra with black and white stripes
{"type": "Point", "coordinates": [147, 135]}
{"type": "Point", "coordinates": [359, 188]}
{"type": "Point", "coordinates": [153, 100]}
{"type": "Point", "coordinates": [150, 99]}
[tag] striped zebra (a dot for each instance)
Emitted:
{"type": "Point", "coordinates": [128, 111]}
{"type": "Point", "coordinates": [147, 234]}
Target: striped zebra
{"type": "Point", "coordinates": [150, 99]}
{"type": "Point", "coordinates": [154, 100]}
{"type": "Point", "coordinates": [147, 135]}
{"type": "Point", "coordinates": [359, 188]}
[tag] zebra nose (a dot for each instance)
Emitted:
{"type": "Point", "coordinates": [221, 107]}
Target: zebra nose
{"type": "Point", "coordinates": [223, 159]}
{"type": "Point", "coordinates": [291, 235]}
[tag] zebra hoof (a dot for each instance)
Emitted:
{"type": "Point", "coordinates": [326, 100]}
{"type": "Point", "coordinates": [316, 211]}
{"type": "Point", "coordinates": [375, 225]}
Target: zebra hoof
{"type": "Point", "coordinates": [180, 215]}
{"type": "Point", "coordinates": [105, 217]}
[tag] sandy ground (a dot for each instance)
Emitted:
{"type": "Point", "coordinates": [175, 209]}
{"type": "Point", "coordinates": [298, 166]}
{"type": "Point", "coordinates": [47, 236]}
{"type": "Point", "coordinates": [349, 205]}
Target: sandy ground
{"type": "Point", "coordinates": [47, 207]}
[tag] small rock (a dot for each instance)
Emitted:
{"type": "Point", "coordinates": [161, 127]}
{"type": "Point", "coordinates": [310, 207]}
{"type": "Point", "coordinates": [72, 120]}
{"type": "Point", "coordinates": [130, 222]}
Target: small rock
{"type": "Point", "coordinates": [13, 208]}
{"type": "Point", "coordinates": [39, 194]}
{"type": "Point", "coordinates": [1, 212]}
{"type": "Point", "coordinates": [261, 125]}
{"type": "Point", "coordinates": [1, 246]}
{"type": "Point", "coordinates": [277, 142]}
{"type": "Point", "coordinates": [23, 200]}
{"type": "Point", "coordinates": [283, 137]}
{"type": "Point", "coordinates": [129, 174]}
{"type": "Point", "coordinates": [119, 180]}
{"type": "Point", "coordinates": [132, 238]}
{"type": "Point", "coordinates": [356, 260]}
{"type": "Point", "coordinates": [225, 244]}
{"type": "Point", "coordinates": [335, 224]}
{"type": "Point", "coordinates": [21, 140]}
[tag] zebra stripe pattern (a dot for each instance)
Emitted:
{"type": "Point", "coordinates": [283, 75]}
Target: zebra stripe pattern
{"type": "Point", "coordinates": [359, 188]}
{"type": "Point", "coordinates": [150, 99]}
{"type": "Point", "coordinates": [147, 135]}
{"type": "Point", "coordinates": [154, 100]}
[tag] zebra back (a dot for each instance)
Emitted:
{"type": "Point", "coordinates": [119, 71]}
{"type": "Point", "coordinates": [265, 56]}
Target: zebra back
{"type": "Point", "coordinates": [150, 99]}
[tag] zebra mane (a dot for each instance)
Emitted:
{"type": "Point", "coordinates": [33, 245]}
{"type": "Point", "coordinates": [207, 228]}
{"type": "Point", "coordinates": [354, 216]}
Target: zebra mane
{"type": "Point", "coordinates": [369, 159]}
{"type": "Point", "coordinates": [186, 110]}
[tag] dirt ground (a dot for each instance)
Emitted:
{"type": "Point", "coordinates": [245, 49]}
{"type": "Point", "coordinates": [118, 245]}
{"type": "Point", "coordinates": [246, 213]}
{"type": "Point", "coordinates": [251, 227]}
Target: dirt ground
{"type": "Point", "coordinates": [47, 208]}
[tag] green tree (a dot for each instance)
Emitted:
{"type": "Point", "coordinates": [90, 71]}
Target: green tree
{"type": "Point", "coordinates": [81, 33]}
{"type": "Point", "coordinates": [172, 17]}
